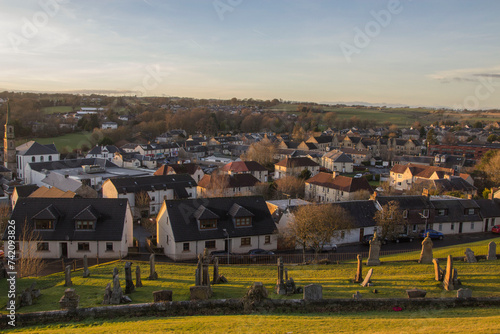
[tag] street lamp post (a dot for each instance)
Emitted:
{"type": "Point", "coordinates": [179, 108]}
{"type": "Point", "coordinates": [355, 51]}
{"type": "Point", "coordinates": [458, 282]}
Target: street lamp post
{"type": "Point", "coordinates": [227, 235]}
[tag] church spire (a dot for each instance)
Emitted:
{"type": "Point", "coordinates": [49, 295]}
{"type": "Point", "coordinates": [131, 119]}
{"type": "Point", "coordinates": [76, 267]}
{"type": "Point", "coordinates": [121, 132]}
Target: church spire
{"type": "Point", "coordinates": [8, 112]}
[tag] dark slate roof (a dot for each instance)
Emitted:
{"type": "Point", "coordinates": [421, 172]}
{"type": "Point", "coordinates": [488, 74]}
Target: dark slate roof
{"type": "Point", "coordinates": [70, 163]}
{"type": "Point", "coordinates": [89, 213]}
{"type": "Point", "coordinates": [109, 225]}
{"type": "Point", "coordinates": [204, 213]}
{"type": "Point", "coordinates": [26, 190]}
{"type": "Point", "coordinates": [454, 211]}
{"type": "Point", "coordinates": [4, 169]}
{"type": "Point", "coordinates": [98, 149]}
{"type": "Point", "coordinates": [178, 182]}
{"type": "Point", "coordinates": [50, 212]}
{"type": "Point", "coordinates": [229, 181]}
{"type": "Point", "coordinates": [323, 139]}
{"type": "Point", "coordinates": [237, 211]}
{"type": "Point", "coordinates": [185, 226]}
{"type": "Point", "coordinates": [39, 149]}
{"type": "Point", "coordinates": [406, 202]}
{"type": "Point", "coordinates": [362, 212]}
{"type": "Point", "coordinates": [488, 208]}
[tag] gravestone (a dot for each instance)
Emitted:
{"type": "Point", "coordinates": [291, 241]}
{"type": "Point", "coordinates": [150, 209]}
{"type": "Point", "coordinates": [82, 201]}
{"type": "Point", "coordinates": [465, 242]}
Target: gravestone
{"type": "Point", "coordinates": [426, 253]}
{"type": "Point", "coordinates": [366, 282]}
{"type": "Point", "coordinates": [70, 300]}
{"type": "Point", "coordinates": [469, 256]}
{"type": "Point", "coordinates": [200, 292]}
{"type": "Point", "coordinates": [152, 270]}
{"type": "Point", "coordinates": [216, 271]}
{"type": "Point", "coordinates": [492, 251]}
{"type": "Point", "coordinates": [86, 272]}
{"type": "Point", "coordinates": [115, 272]}
{"type": "Point", "coordinates": [359, 271]}
{"type": "Point", "coordinates": [197, 276]}
{"type": "Point", "coordinates": [138, 282]}
{"type": "Point", "coordinates": [374, 253]}
{"type": "Point", "coordinates": [256, 292]}
{"type": "Point", "coordinates": [129, 284]}
{"type": "Point", "coordinates": [162, 296]}
{"type": "Point", "coordinates": [205, 261]}
{"type": "Point", "coordinates": [464, 293]}
{"type": "Point", "coordinates": [27, 297]}
{"type": "Point", "coordinates": [313, 292]}
{"type": "Point", "coordinates": [117, 293]}
{"type": "Point", "coordinates": [280, 282]}
{"type": "Point", "coordinates": [416, 293]}
{"type": "Point", "coordinates": [67, 276]}
{"type": "Point", "coordinates": [451, 281]}
{"type": "Point", "coordinates": [107, 294]}
{"type": "Point", "coordinates": [438, 272]}
{"type": "Point", "coordinates": [357, 296]}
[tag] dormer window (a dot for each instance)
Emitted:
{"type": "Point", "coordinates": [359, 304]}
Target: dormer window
{"type": "Point", "coordinates": [85, 224]}
{"type": "Point", "coordinates": [207, 220]}
{"type": "Point", "coordinates": [44, 224]}
{"type": "Point", "coordinates": [244, 221]}
{"type": "Point", "coordinates": [208, 224]}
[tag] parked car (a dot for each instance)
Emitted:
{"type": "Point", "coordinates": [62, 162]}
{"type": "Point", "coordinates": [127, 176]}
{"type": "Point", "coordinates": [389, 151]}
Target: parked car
{"type": "Point", "coordinates": [368, 237]}
{"type": "Point", "coordinates": [433, 234]}
{"type": "Point", "coordinates": [259, 254]}
{"type": "Point", "coordinates": [357, 176]}
{"type": "Point", "coordinates": [403, 237]}
{"type": "Point", "coordinates": [496, 229]}
{"type": "Point", "coordinates": [222, 256]}
{"type": "Point", "coordinates": [328, 247]}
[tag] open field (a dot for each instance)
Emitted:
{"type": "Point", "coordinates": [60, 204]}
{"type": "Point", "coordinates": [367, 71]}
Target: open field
{"type": "Point", "coordinates": [436, 321]}
{"type": "Point", "coordinates": [68, 142]}
{"type": "Point", "coordinates": [57, 110]}
{"type": "Point", "coordinates": [391, 280]}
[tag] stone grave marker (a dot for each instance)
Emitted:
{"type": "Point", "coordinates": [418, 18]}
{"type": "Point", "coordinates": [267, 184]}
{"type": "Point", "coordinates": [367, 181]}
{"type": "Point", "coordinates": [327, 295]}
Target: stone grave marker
{"type": "Point", "coordinates": [152, 270]}
{"type": "Point", "coordinates": [492, 251]}
{"type": "Point", "coordinates": [357, 296]}
{"type": "Point", "coordinates": [426, 253]}
{"type": "Point", "coordinates": [129, 284]}
{"type": "Point", "coordinates": [216, 271]}
{"type": "Point", "coordinates": [374, 252]}
{"type": "Point", "coordinates": [107, 294]}
{"type": "Point", "coordinates": [86, 272]}
{"type": "Point", "coordinates": [117, 293]}
{"type": "Point", "coordinates": [451, 281]}
{"type": "Point", "coordinates": [469, 256]}
{"type": "Point", "coordinates": [162, 296]}
{"type": "Point", "coordinates": [70, 300]}
{"type": "Point", "coordinates": [359, 271]}
{"type": "Point", "coordinates": [138, 282]}
{"type": "Point", "coordinates": [464, 293]}
{"type": "Point", "coordinates": [438, 272]}
{"type": "Point", "coordinates": [115, 272]}
{"type": "Point", "coordinates": [366, 282]}
{"type": "Point", "coordinates": [416, 293]}
{"type": "Point", "coordinates": [313, 292]}
{"type": "Point", "coordinates": [67, 276]}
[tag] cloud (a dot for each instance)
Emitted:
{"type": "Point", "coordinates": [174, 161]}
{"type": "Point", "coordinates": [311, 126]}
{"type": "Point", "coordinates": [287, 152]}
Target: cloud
{"type": "Point", "coordinates": [466, 75]}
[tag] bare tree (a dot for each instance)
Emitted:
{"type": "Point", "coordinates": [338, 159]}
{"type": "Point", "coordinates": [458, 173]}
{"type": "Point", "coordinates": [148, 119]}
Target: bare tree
{"type": "Point", "coordinates": [361, 195]}
{"type": "Point", "coordinates": [290, 186]}
{"type": "Point", "coordinates": [217, 185]}
{"type": "Point", "coordinates": [29, 263]}
{"type": "Point", "coordinates": [490, 165]}
{"type": "Point", "coordinates": [390, 220]}
{"type": "Point", "coordinates": [261, 152]}
{"type": "Point", "coordinates": [142, 200]}
{"type": "Point", "coordinates": [315, 225]}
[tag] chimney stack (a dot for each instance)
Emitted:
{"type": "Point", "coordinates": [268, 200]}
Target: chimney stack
{"type": "Point", "coordinates": [334, 175]}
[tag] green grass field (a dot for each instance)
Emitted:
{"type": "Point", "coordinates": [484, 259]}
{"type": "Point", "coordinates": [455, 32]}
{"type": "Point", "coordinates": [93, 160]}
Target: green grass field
{"type": "Point", "coordinates": [391, 280]}
{"type": "Point", "coordinates": [68, 142]}
{"type": "Point", "coordinates": [57, 110]}
{"type": "Point", "coordinates": [465, 320]}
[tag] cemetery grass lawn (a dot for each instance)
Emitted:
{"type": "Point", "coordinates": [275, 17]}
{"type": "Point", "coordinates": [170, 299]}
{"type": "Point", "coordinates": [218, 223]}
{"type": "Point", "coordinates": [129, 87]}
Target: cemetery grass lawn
{"type": "Point", "coordinates": [461, 320]}
{"type": "Point", "coordinates": [391, 279]}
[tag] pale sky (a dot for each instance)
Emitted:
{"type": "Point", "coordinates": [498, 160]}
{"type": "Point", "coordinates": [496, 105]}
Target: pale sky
{"type": "Point", "coordinates": [425, 52]}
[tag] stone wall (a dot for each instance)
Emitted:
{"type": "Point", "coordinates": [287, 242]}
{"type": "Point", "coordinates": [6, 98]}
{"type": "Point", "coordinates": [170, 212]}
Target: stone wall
{"type": "Point", "coordinates": [236, 306]}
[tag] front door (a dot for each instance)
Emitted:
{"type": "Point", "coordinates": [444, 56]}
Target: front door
{"type": "Point", "coordinates": [486, 222]}
{"type": "Point", "coordinates": [460, 227]}
{"type": "Point", "coordinates": [64, 249]}
{"type": "Point", "coordinates": [361, 234]}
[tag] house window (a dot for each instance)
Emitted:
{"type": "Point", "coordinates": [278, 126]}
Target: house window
{"type": "Point", "coordinates": [472, 226]}
{"type": "Point", "coordinates": [470, 211]}
{"type": "Point", "coordinates": [442, 212]}
{"type": "Point", "coordinates": [405, 214]}
{"type": "Point", "coordinates": [440, 228]}
{"type": "Point", "coordinates": [42, 246]}
{"type": "Point", "coordinates": [50, 158]}
{"type": "Point", "coordinates": [83, 247]}
{"type": "Point", "coordinates": [267, 239]}
{"type": "Point", "coordinates": [41, 158]}
{"type": "Point", "coordinates": [210, 244]}
{"type": "Point", "coordinates": [84, 224]}
{"type": "Point", "coordinates": [415, 228]}
{"type": "Point", "coordinates": [245, 221]}
{"type": "Point", "coordinates": [44, 224]}
{"type": "Point", "coordinates": [32, 159]}
{"type": "Point", "coordinates": [208, 224]}
{"type": "Point", "coordinates": [245, 241]}
{"type": "Point", "coordinates": [452, 227]}
{"type": "Point", "coordinates": [109, 246]}
{"type": "Point", "coordinates": [185, 247]}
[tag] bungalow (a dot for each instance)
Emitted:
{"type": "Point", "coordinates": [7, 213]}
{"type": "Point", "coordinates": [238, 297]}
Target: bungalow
{"type": "Point", "coordinates": [72, 227]}
{"type": "Point", "coordinates": [454, 216]}
{"type": "Point", "coordinates": [185, 228]}
{"type": "Point", "coordinates": [146, 194]}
